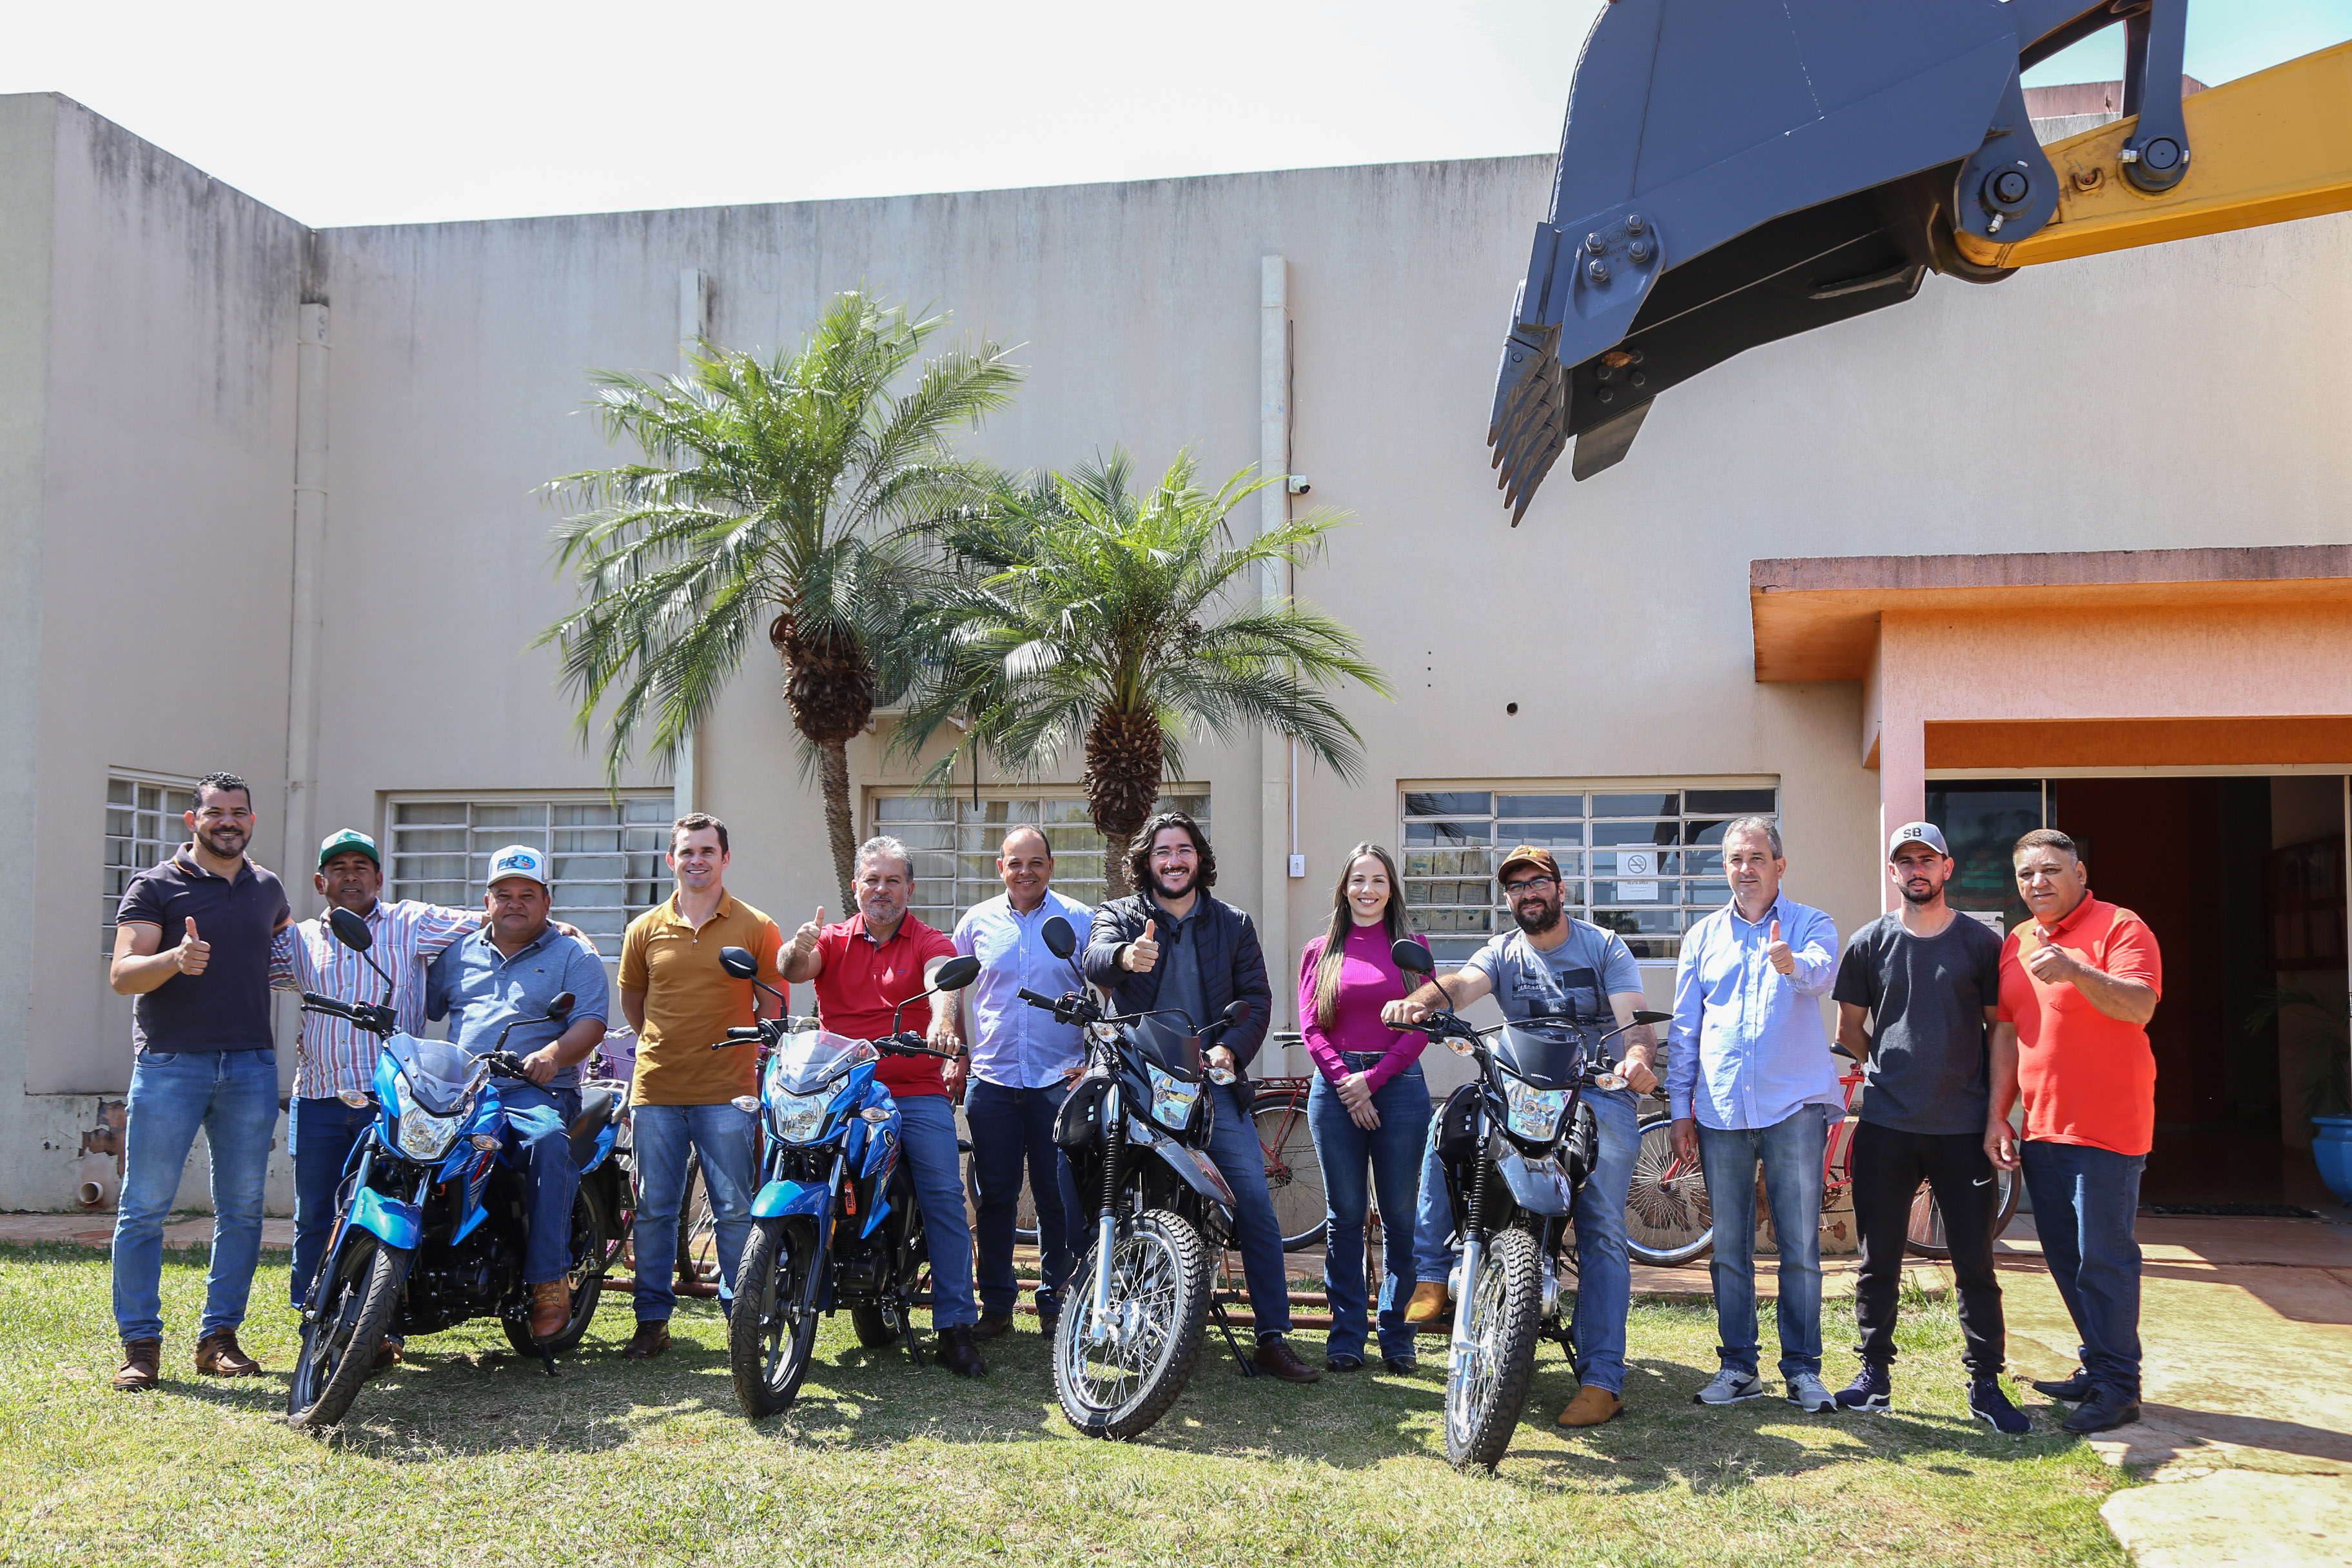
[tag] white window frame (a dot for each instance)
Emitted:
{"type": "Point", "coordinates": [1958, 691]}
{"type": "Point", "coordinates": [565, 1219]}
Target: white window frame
{"type": "Point", "coordinates": [1601, 885]}
{"type": "Point", "coordinates": [115, 875]}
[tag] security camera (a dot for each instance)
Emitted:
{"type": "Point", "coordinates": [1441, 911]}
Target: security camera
{"type": "Point", "coordinates": [1297, 484]}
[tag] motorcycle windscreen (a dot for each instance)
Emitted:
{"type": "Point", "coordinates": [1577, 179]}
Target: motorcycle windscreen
{"type": "Point", "coordinates": [809, 1061]}
{"type": "Point", "coordinates": [1549, 1055]}
{"type": "Point", "coordinates": [440, 1074]}
{"type": "Point", "coordinates": [1174, 1050]}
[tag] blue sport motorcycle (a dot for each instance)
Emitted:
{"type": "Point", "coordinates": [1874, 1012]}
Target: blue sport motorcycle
{"type": "Point", "coordinates": [430, 1220]}
{"type": "Point", "coordinates": [835, 1222]}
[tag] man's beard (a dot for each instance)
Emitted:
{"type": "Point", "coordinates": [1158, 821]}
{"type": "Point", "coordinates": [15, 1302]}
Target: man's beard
{"type": "Point", "coordinates": [211, 839]}
{"type": "Point", "coordinates": [1540, 920]}
{"type": "Point", "coordinates": [1161, 887]}
{"type": "Point", "coordinates": [1927, 897]}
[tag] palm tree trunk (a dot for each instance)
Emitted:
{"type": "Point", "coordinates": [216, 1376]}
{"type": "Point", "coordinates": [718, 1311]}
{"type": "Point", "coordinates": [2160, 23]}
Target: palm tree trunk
{"type": "Point", "coordinates": [833, 773]}
{"type": "Point", "coordinates": [1122, 781]}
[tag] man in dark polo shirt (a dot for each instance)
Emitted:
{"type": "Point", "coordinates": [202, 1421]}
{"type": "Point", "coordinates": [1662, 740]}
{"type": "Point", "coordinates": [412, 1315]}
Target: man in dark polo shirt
{"type": "Point", "coordinates": [200, 1027]}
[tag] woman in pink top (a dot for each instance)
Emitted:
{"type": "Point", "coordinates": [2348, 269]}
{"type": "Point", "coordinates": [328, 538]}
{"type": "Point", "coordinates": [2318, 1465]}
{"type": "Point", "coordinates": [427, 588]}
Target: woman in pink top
{"type": "Point", "coordinates": [1369, 1107]}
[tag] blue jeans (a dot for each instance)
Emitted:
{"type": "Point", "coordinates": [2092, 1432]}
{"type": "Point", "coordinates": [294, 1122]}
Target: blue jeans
{"type": "Point", "coordinates": [1604, 1273]}
{"type": "Point", "coordinates": [324, 1133]}
{"type": "Point", "coordinates": [1388, 1151]}
{"type": "Point", "coordinates": [233, 1097]}
{"type": "Point", "coordinates": [2084, 1200]}
{"type": "Point", "coordinates": [927, 1127]}
{"type": "Point", "coordinates": [1790, 1151]}
{"type": "Point", "coordinates": [539, 1140]}
{"type": "Point", "coordinates": [1237, 1154]}
{"type": "Point", "coordinates": [660, 1135]}
{"type": "Point", "coordinates": [1012, 1128]}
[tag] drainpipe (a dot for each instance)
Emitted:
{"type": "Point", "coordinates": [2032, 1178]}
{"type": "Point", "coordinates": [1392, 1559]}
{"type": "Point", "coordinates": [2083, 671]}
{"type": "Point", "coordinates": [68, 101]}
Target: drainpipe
{"type": "Point", "coordinates": [1277, 767]}
{"type": "Point", "coordinates": [310, 548]}
{"type": "Point", "coordinates": [693, 326]}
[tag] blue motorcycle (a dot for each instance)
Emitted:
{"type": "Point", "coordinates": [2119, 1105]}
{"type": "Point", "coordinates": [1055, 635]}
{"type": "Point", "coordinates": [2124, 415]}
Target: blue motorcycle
{"type": "Point", "coordinates": [835, 1222]}
{"type": "Point", "coordinates": [430, 1219]}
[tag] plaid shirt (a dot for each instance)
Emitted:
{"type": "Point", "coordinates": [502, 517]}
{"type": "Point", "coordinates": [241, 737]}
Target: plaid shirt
{"type": "Point", "coordinates": [336, 1057]}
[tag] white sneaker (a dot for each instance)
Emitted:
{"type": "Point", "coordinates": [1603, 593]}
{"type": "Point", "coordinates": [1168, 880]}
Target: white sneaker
{"type": "Point", "coordinates": [1730, 1386]}
{"type": "Point", "coordinates": [1808, 1393]}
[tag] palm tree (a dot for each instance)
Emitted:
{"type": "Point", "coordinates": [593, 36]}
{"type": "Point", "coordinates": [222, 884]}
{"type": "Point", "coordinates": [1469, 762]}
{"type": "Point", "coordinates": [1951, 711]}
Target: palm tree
{"type": "Point", "coordinates": [1088, 614]}
{"type": "Point", "coordinates": [797, 492]}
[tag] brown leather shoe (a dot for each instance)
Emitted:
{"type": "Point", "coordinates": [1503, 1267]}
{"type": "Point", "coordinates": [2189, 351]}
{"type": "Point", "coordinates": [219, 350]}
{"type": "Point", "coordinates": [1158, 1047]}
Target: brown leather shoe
{"type": "Point", "coordinates": [551, 1308]}
{"type": "Point", "coordinates": [387, 1356]}
{"type": "Point", "coordinates": [993, 1326]}
{"type": "Point", "coordinates": [1428, 1303]}
{"type": "Point", "coordinates": [651, 1339]}
{"type": "Point", "coordinates": [142, 1366]}
{"type": "Point", "coordinates": [1591, 1407]}
{"type": "Point", "coordinates": [1274, 1355]}
{"type": "Point", "coordinates": [218, 1356]}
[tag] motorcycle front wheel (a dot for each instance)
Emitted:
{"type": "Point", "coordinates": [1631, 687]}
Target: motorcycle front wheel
{"type": "Point", "coordinates": [1486, 1386]}
{"type": "Point", "coordinates": [1118, 1372]}
{"type": "Point", "coordinates": [339, 1345]}
{"type": "Point", "coordinates": [766, 1350]}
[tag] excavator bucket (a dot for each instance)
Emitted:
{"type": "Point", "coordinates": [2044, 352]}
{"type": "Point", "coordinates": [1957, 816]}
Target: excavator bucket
{"type": "Point", "coordinates": [1732, 173]}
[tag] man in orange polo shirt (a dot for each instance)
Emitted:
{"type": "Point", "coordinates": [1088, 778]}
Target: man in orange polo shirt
{"type": "Point", "coordinates": [681, 1002]}
{"type": "Point", "coordinates": [2078, 984]}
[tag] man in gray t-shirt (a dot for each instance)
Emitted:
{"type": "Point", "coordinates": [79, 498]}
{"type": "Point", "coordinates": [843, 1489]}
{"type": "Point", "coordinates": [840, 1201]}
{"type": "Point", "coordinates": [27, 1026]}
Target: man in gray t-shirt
{"type": "Point", "coordinates": [1916, 993]}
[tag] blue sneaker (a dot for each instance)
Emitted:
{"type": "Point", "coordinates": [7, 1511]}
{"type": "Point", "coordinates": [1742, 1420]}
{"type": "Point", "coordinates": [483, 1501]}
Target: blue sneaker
{"type": "Point", "coordinates": [1869, 1390]}
{"type": "Point", "coordinates": [1987, 1404]}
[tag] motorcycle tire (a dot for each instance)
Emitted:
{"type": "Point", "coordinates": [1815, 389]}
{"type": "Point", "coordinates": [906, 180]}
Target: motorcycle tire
{"type": "Point", "coordinates": [1925, 1237]}
{"type": "Point", "coordinates": [768, 1354]}
{"type": "Point", "coordinates": [1120, 1388]}
{"type": "Point", "coordinates": [591, 1223]}
{"type": "Point", "coordinates": [1486, 1386]}
{"type": "Point", "coordinates": [339, 1347]}
{"type": "Point", "coordinates": [1668, 1222]}
{"type": "Point", "coordinates": [874, 1329]}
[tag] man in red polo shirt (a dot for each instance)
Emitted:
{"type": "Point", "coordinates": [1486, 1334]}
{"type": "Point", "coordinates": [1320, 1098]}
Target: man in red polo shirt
{"type": "Point", "coordinates": [2078, 984]}
{"type": "Point", "coordinates": [863, 968]}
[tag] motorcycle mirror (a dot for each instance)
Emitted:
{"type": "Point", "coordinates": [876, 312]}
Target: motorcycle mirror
{"type": "Point", "coordinates": [561, 1008]}
{"type": "Point", "coordinates": [956, 973]}
{"type": "Point", "coordinates": [1411, 956]}
{"type": "Point", "coordinates": [1643, 1015]}
{"type": "Point", "coordinates": [351, 929]}
{"type": "Point", "coordinates": [1060, 940]}
{"type": "Point", "coordinates": [1234, 1012]}
{"type": "Point", "coordinates": [738, 962]}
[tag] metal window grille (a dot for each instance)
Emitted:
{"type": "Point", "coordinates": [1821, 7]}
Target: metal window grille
{"type": "Point", "coordinates": [144, 825]}
{"type": "Point", "coordinates": [954, 843]}
{"type": "Point", "coordinates": [1643, 862]}
{"type": "Point", "coordinates": [605, 860]}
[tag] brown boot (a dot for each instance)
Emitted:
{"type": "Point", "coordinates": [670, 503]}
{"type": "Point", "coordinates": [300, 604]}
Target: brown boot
{"type": "Point", "coordinates": [551, 1308]}
{"type": "Point", "coordinates": [1428, 1303]}
{"type": "Point", "coordinates": [142, 1366]}
{"type": "Point", "coordinates": [651, 1339]}
{"type": "Point", "coordinates": [217, 1355]}
{"type": "Point", "coordinates": [1274, 1355]}
{"type": "Point", "coordinates": [1591, 1407]}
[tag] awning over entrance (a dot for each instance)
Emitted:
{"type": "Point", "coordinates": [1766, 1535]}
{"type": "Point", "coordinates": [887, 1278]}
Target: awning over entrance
{"type": "Point", "coordinates": [2206, 658]}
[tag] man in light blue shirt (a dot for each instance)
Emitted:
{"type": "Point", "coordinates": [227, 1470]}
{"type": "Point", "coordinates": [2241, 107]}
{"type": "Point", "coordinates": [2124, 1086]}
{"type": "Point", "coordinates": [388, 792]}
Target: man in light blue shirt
{"type": "Point", "coordinates": [1750, 1080]}
{"type": "Point", "coordinates": [1023, 1061]}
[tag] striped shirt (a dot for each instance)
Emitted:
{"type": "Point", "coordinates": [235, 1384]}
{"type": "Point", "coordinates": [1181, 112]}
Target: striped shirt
{"type": "Point", "coordinates": [337, 1057]}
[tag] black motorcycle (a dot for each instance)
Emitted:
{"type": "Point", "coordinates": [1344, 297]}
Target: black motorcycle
{"type": "Point", "coordinates": [1136, 1127]}
{"type": "Point", "coordinates": [1516, 1145]}
{"type": "Point", "coordinates": [431, 1217]}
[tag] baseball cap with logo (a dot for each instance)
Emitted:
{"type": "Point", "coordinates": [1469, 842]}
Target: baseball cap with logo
{"type": "Point", "coordinates": [518, 860]}
{"type": "Point", "coordinates": [1925, 833]}
{"type": "Point", "coordinates": [1528, 855]}
{"type": "Point", "coordinates": [344, 838]}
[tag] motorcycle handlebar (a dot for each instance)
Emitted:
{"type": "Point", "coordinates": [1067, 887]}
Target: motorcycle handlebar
{"type": "Point", "coordinates": [910, 1045]}
{"type": "Point", "coordinates": [743, 1034]}
{"type": "Point", "coordinates": [506, 1064]}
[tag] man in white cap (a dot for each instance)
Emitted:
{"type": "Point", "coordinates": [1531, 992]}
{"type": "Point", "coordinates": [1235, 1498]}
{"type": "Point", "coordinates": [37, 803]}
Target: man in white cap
{"type": "Point", "coordinates": [1917, 991]}
{"type": "Point", "coordinates": [511, 970]}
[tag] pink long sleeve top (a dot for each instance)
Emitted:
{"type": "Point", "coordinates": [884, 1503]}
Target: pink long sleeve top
{"type": "Point", "coordinates": [1369, 980]}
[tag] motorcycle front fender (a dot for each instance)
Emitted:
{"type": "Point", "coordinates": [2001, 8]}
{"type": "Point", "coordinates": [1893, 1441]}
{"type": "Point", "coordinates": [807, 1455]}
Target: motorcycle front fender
{"type": "Point", "coordinates": [1200, 1173]}
{"type": "Point", "coordinates": [780, 1198]}
{"type": "Point", "coordinates": [1540, 1186]}
{"type": "Point", "coordinates": [389, 1220]}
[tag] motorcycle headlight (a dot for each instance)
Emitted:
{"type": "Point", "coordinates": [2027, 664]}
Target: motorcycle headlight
{"type": "Point", "coordinates": [1172, 1099]}
{"type": "Point", "coordinates": [421, 1136]}
{"type": "Point", "coordinates": [1533, 1113]}
{"type": "Point", "coordinates": [797, 1118]}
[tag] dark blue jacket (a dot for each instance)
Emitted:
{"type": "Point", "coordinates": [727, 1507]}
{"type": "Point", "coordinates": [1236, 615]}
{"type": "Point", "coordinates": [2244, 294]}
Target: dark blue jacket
{"type": "Point", "coordinates": [1231, 967]}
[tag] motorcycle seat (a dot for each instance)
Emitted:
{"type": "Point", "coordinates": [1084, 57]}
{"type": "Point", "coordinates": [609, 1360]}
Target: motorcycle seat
{"type": "Point", "coordinates": [599, 1108]}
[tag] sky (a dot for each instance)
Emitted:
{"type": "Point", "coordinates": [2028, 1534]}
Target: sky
{"type": "Point", "coordinates": [431, 112]}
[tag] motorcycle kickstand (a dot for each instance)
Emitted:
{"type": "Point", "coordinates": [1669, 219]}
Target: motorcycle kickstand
{"type": "Point", "coordinates": [906, 1325]}
{"type": "Point", "coordinates": [1233, 1343]}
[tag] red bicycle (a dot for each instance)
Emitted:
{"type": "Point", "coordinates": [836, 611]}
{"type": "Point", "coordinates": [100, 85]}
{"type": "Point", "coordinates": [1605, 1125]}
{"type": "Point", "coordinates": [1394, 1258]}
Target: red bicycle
{"type": "Point", "coordinates": [1668, 1222]}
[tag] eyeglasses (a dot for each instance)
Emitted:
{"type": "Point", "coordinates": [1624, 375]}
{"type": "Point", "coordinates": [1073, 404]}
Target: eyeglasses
{"type": "Point", "coordinates": [1530, 885]}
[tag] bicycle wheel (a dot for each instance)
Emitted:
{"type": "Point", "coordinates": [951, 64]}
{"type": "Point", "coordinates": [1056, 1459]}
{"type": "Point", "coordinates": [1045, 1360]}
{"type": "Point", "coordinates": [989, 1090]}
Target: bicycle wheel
{"type": "Point", "coordinates": [697, 1226]}
{"type": "Point", "coordinates": [1293, 1171]}
{"type": "Point", "coordinates": [1925, 1237]}
{"type": "Point", "coordinates": [1667, 1220]}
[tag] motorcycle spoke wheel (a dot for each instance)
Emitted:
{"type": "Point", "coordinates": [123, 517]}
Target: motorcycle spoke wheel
{"type": "Point", "coordinates": [1486, 1383]}
{"type": "Point", "coordinates": [1116, 1372]}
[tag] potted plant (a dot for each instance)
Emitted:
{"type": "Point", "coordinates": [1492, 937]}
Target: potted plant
{"type": "Point", "coordinates": [2324, 1046]}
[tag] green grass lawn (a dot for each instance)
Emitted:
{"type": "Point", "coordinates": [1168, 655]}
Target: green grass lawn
{"type": "Point", "coordinates": [470, 1455]}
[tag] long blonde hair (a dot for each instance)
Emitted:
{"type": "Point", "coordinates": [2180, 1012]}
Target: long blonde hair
{"type": "Point", "coordinates": [1335, 941]}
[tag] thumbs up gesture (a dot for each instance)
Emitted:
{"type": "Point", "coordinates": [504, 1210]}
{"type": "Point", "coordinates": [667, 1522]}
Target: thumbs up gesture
{"type": "Point", "coordinates": [1139, 956]}
{"type": "Point", "coordinates": [194, 953]}
{"type": "Point", "coordinates": [1783, 958]}
{"type": "Point", "coordinates": [805, 939]}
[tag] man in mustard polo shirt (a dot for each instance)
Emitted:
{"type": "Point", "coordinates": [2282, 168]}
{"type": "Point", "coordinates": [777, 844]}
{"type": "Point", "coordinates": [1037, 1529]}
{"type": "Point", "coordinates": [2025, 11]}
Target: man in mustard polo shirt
{"type": "Point", "coordinates": [680, 1002]}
